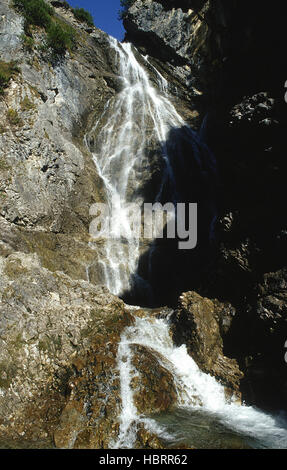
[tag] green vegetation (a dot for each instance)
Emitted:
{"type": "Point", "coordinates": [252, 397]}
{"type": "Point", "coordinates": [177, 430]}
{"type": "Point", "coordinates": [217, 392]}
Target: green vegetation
{"type": "Point", "coordinates": [27, 105]}
{"type": "Point", "coordinates": [3, 164]}
{"type": "Point", "coordinates": [28, 42]}
{"type": "Point", "coordinates": [65, 5]}
{"type": "Point", "coordinates": [35, 12]}
{"type": "Point", "coordinates": [7, 71]}
{"type": "Point", "coordinates": [83, 15]}
{"type": "Point", "coordinates": [14, 118]}
{"type": "Point", "coordinates": [125, 5]}
{"type": "Point", "coordinates": [50, 344]}
{"type": "Point", "coordinates": [5, 379]}
{"type": "Point", "coordinates": [60, 36]}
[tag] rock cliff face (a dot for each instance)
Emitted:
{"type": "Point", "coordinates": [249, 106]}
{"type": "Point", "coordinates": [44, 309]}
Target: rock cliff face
{"type": "Point", "coordinates": [59, 377]}
{"type": "Point", "coordinates": [50, 326]}
{"type": "Point", "coordinates": [239, 71]}
{"type": "Point", "coordinates": [177, 36]}
{"type": "Point", "coordinates": [48, 179]}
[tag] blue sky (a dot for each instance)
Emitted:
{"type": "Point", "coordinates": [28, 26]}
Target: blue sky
{"type": "Point", "coordinates": [105, 13]}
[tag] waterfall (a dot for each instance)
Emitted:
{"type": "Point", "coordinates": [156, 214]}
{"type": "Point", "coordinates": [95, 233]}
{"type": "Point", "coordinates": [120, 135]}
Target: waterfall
{"type": "Point", "coordinates": [139, 116]}
{"type": "Point", "coordinates": [195, 390]}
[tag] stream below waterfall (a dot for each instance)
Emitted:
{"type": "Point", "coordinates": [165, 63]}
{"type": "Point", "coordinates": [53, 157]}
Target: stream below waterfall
{"type": "Point", "coordinates": [138, 114]}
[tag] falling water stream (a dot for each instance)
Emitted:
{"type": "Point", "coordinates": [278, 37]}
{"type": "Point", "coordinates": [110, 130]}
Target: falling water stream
{"type": "Point", "coordinates": [141, 112]}
{"type": "Point", "coordinates": [139, 116]}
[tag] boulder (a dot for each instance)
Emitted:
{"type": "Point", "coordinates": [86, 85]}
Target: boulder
{"type": "Point", "coordinates": [200, 323]}
{"type": "Point", "coordinates": [148, 440]}
{"type": "Point", "coordinates": [154, 388]}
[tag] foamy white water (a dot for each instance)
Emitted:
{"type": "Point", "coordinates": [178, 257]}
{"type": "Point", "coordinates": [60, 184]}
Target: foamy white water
{"type": "Point", "coordinates": [195, 389]}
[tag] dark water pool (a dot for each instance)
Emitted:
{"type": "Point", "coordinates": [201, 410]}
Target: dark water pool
{"type": "Point", "coordinates": [201, 430]}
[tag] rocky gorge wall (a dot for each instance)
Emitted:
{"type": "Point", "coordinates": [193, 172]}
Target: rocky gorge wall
{"type": "Point", "coordinates": [233, 53]}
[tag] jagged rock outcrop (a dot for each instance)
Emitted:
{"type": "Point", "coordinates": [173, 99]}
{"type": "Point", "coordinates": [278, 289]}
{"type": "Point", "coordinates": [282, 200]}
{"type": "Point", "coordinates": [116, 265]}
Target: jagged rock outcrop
{"type": "Point", "coordinates": [200, 323]}
{"type": "Point", "coordinates": [177, 32]}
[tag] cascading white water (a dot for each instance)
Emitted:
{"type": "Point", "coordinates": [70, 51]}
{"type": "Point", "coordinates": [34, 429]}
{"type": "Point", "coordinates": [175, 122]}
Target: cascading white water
{"type": "Point", "coordinates": [138, 114]}
{"type": "Point", "coordinates": [195, 389]}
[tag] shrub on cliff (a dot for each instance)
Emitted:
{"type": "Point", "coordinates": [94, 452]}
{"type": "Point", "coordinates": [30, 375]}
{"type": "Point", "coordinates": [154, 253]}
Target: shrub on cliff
{"type": "Point", "coordinates": [60, 37]}
{"type": "Point", "coordinates": [35, 12]}
{"type": "Point", "coordinates": [83, 15]}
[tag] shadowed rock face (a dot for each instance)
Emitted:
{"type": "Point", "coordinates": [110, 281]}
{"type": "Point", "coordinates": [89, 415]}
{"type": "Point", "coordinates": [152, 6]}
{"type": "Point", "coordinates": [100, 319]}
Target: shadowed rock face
{"type": "Point", "coordinates": [241, 73]}
{"type": "Point", "coordinates": [90, 418]}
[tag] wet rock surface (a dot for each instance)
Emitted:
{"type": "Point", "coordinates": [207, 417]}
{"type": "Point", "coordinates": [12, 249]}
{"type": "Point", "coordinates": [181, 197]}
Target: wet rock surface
{"type": "Point", "coordinates": [148, 440]}
{"type": "Point", "coordinates": [156, 379]}
{"type": "Point", "coordinates": [59, 371]}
